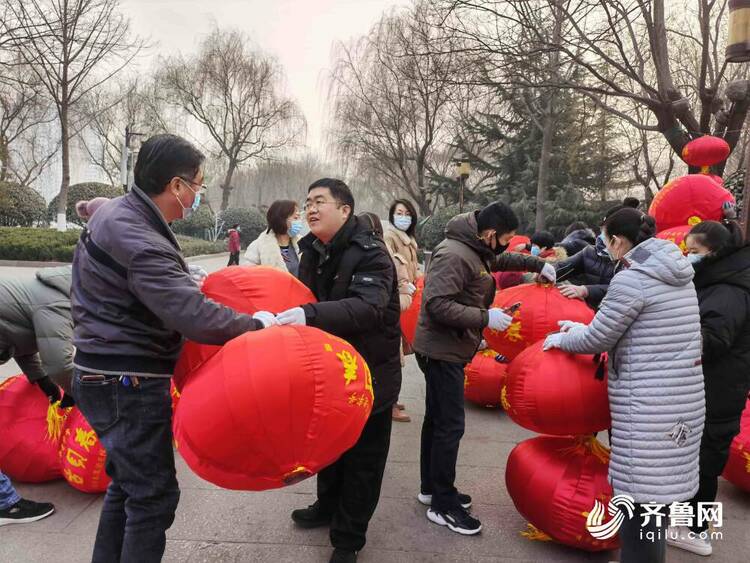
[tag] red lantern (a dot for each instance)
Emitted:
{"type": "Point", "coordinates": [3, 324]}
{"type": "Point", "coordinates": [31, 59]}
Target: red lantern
{"type": "Point", "coordinates": [484, 378]}
{"type": "Point", "coordinates": [246, 289]}
{"type": "Point", "coordinates": [410, 317]}
{"type": "Point", "coordinates": [677, 235]}
{"type": "Point", "coordinates": [542, 306]}
{"type": "Point", "coordinates": [737, 470]}
{"type": "Point", "coordinates": [556, 393]}
{"type": "Point", "coordinates": [688, 200]}
{"type": "Point", "coordinates": [82, 455]}
{"type": "Point", "coordinates": [706, 151]}
{"type": "Point", "coordinates": [28, 442]}
{"type": "Point", "coordinates": [518, 240]}
{"type": "Point", "coordinates": [273, 407]}
{"type": "Point", "coordinates": [555, 483]}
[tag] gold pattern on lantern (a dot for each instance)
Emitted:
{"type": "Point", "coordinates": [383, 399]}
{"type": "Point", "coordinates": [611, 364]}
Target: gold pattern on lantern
{"type": "Point", "coordinates": [72, 477]}
{"type": "Point", "coordinates": [75, 459]}
{"type": "Point", "coordinates": [514, 332]}
{"type": "Point", "coordinates": [350, 365]}
{"type": "Point", "coordinates": [693, 221]}
{"type": "Point", "coordinates": [85, 439]}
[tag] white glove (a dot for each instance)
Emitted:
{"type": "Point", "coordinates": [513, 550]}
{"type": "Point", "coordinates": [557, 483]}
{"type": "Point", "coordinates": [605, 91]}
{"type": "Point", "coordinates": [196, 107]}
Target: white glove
{"type": "Point", "coordinates": [482, 345]}
{"type": "Point", "coordinates": [197, 274]}
{"type": "Point", "coordinates": [548, 273]}
{"type": "Point", "coordinates": [574, 291]}
{"type": "Point", "coordinates": [268, 319]}
{"type": "Point", "coordinates": [568, 326]}
{"type": "Point", "coordinates": [411, 288]}
{"type": "Point", "coordinates": [553, 341]}
{"type": "Point", "coordinates": [294, 316]}
{"type": "Point", "coordinates": [499, 320]}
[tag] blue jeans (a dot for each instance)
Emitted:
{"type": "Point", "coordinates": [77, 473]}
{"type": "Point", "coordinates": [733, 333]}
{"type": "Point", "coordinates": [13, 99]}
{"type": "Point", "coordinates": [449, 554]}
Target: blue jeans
{"type": "Point", "coordinates": [8, 495]}
{"type": "Point", "coordinates": [134, 424]}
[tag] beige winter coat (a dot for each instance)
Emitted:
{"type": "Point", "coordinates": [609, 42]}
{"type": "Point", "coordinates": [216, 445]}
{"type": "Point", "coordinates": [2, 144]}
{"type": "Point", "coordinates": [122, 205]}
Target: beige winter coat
{"type": "Point", "coordinates": [403, 249]}
{"type": "Point", "coordinates": [264, 251]}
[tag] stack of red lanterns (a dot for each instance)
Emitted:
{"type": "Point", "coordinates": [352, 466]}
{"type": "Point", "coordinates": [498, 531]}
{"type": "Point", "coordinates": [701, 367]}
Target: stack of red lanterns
{"type": "Point", "coordinates": [737, 470]}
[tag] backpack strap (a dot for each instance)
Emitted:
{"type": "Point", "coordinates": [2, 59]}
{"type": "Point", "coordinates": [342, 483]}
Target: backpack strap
{"type": "Point", "coordinates": [102, 257]}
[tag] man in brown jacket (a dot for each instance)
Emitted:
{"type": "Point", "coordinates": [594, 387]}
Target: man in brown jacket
{"type": "Point", "coordinates": [456, 307]}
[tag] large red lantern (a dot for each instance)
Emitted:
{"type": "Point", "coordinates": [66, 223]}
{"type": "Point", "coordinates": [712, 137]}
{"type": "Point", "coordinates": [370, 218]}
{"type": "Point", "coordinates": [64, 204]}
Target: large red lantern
{"type": "Point", "coordinates": [273, 407]}
{"type": "Point", "coordinates": [542, 306]}
{"type": "Point", "coordinates": [556, 393]}
{"type": "Point", "coordinates": [688, 200]}
{"type": "Point", "coordinates": [677, 235]}
{"type": "Point", "coordinates": [706, 151]}
{"type": "Point", "coordinates": [29, 432]}
{"type": "Point", "coordinates": [484, 378]}
{"type": "Point", "coordinates": [410, 317]}
{"type": "Point", "coordinates": [246, 289]}
{"type": "Point", "coordinates": [556, 483]}
{"type": "Point", "coordinates": [737, 470]}
{"type": "Point", "coordinates": [82, 455]}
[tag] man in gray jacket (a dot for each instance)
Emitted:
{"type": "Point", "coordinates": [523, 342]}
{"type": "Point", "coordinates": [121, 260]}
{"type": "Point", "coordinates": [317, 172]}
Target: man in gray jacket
{"type": "Point", "coordinates": [133, 302]}
{"type": "Point", "coordinates": [36, 329]}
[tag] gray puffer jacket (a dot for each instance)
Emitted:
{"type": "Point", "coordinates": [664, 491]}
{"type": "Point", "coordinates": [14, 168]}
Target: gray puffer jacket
{"type": "Point", "coordinates": [36, 327]}
{"type": "Point", "coordinates": [650, 324]}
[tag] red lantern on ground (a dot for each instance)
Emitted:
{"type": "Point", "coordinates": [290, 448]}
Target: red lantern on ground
{"type": "Point", "coordinates": [273, 407]}
{"type": "Point", "coordinates": [556, 393]}
{"type": "Point", "coordinates": [542, 306]}
{"type": "Point", "coordinates": [677, 235]}
{"type": "Point", "coordinates": [484, 378]}
{"type": "Point", "coordinates": [688, 200]}
{"type": "Point", "coordinates": [737, 470]}
{"type": "Point", "coordinates": [82, 456]}
{"type": "Point", "coordinates": [28, 443]}
{"type": "Point", "coordinates": [705, 152]}
{"type": "Point", "coordinates": [247, 289]}
{"type": "Point", "coordinates": [555, 483]}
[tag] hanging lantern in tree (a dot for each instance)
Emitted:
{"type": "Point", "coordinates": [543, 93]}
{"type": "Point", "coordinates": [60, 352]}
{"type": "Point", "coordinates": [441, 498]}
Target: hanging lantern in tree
{"type": "Point", "coordinates": [30, 431]}
{"type": "Point", "coordinates": [273, 407]}
{"type": "Point", "coordinates": [542, 306]}
{"type": "Point", "coordinates": [246, 289]}
{"type": "Point", "coordinates": [484, 378]}
{"type": "Point", "coordinates": [557, 484]}
{"type": "Point", "coordinates": [82, 455]}
{"type": "Point", "coordinates": [555, 392]}
{"type": "Point", "coordinates": [688, 200]}
{"type": "Point", "coordinates": [737, 470]}
{"type": "Point", "coordinates": [705, 152]}
{"type": "Point", "coordinates": [677, 235]}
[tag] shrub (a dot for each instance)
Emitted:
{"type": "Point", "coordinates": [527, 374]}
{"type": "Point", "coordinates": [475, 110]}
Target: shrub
{"type": "Point", "coordinates": [78, 192]}
{"type": "Point", "coordinates": [20, 206]}
{"type": "Point", "coordinates": [251, 221]}
{"type": "Point", "coordinates": [432, 230]}
{"type": "Point", "coordinates": [197, 225]}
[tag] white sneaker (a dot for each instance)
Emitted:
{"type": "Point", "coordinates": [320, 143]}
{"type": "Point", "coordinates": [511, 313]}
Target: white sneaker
{"type": "Point", "coordinates": [683, 538]}
{"type": "Point", "coordinates": [426, 499]}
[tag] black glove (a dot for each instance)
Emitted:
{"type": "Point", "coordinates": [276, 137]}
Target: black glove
{"type": "Point", "coordinates": [49, 388]}
{"type": "Point", "coordinates": [67, 401]}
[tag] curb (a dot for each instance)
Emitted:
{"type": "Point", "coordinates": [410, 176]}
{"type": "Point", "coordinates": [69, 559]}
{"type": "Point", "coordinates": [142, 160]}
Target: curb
{"type": "Point", "coordinates": [32, 264]}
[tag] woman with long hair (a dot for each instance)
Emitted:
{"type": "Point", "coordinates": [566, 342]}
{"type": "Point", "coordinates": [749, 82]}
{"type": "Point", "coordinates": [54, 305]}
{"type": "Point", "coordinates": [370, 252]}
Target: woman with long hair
{"type": "Point", "coordinates": [277, 245]}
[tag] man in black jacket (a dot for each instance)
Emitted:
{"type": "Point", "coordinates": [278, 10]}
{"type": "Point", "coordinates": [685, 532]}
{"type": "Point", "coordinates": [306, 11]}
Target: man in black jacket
{"type": "Point", "coordinates": [349, 270]}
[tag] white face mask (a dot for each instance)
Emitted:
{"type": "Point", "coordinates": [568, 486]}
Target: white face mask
{"type": "Point", "coordinates": [402, 222]}
{"type": "Point", "coordinates": [695, 258]}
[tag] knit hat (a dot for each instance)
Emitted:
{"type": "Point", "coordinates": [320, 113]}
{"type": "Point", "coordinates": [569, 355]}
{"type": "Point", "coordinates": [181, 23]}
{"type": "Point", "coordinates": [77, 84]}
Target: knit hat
{"type": "Point", "coordinates": [86, 208]}
{"type": "Point", "coordinates": [497, 216]}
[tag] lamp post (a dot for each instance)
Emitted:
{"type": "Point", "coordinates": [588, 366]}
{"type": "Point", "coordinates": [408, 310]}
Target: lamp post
{"type": "Point", "coordinates": [463, 169]}
{"type": "Point", "coordinates": [126, 162]}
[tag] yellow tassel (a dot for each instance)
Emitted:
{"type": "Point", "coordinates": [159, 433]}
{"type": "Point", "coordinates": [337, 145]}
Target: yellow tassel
{"type": "Point", "coordinates": [590, 444]}
{"type": "Point", "coordinates": [535, 534]}
{"type": "Point", "coordinates": [747, 461]}
{"type": "Point", "coordinates": [55, 418]}
{"type": "Point", "coordinates": [705, 169]}
{"type": "Point", "coordinates": [504, 398]}
{"type": "Point", "coordinates": [488, 353]}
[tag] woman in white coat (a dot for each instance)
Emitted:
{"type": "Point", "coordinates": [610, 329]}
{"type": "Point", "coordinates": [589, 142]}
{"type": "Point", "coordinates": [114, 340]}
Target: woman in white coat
{"type": "Point", "coordinates": [277, 245]}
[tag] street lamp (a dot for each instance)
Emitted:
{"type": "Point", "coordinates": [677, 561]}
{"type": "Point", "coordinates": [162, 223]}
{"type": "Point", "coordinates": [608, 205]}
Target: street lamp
{"type": "Point", "coordinates": [126, 162]}
{"type": "Point", "coordinates": [463, 169]}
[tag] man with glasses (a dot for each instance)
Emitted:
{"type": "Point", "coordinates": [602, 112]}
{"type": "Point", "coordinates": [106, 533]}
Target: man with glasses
{"type": "Point", "coordinates": [348, 268]}
{"type": "Point", "coordinates": [133, 302]}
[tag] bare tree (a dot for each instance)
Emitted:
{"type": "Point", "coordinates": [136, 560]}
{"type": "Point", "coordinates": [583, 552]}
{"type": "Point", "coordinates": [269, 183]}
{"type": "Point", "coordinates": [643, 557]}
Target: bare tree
{"type": "Point", "coordinates": [87, 42]}
{"type": "Point", "coordinates": [391, 97]}
{"type": "Point", "coordinates": [235, 92]}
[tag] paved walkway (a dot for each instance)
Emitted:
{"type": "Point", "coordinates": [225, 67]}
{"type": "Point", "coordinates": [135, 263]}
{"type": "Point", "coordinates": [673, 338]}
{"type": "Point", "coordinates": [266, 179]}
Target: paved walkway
{"type": "Point", "coordinates": [215, 525]}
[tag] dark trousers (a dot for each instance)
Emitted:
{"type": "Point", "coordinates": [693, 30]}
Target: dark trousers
{"type": "Point", "coordinates": [134, 425]}
{"type": "Point", "coordinates": [349, 489]}
{"type": "Point", "coordinates": [234, 258]}
{"type": "Point", "coordinates": [442, 430]}
{"type": "Point", "coordinates": [636, 547]}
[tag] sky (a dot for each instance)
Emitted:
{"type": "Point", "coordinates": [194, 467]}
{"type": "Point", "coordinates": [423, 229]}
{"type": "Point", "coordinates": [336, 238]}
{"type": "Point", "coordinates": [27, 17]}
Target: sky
{"type": "Point", "coordinates": [299, 33]}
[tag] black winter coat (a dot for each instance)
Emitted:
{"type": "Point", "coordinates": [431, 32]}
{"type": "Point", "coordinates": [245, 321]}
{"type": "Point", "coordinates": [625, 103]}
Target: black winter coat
{"type": "Point", "coordinates": [590, 269]}
{"type": "Point", "coordinates": [356, 286]}
{"type": "Point", "coordinates": [577, 241]}
{"type": "Point", "coordinates": [723, 286]}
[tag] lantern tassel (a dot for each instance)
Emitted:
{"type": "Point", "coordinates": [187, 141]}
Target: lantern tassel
{"type": "Point", "coordinates": [55, 419]}
{"type": "Point", "coordinates": [535, 534]}
{"type": "Point", "coordinates": [504, 398]}
{"type": "Point", "coordinates": [747, 461]}
{"type": "Point", "coordinates": [705, 169]}
{"type": "Point", "coordinates": [591, 444]}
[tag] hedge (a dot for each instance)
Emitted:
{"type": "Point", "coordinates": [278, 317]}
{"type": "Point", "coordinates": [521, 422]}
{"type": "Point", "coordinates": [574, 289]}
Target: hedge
{"type": "Point", "coordinates": [251, 221]}
{"type": "Point", "coordinates": [432, 230]}
{"type": "Point", "coordinates": [49, 245]}
{"type": "Point", "coordinates": [79, 192]}
{"type": "Point", "coordinates": [20, 206]}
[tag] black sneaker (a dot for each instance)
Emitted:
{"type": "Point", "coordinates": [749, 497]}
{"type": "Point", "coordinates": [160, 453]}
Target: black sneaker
{"type": "Point", "coordinates": [311, 517]}
{"type": "Point", "coordinates": [458, 521]}
{"type": "Point", "coordinates": [343, 556]}
{"type": "Point", "coordinates": [25, 511]}
{"type": "Point", "coordinates": [426, 499]}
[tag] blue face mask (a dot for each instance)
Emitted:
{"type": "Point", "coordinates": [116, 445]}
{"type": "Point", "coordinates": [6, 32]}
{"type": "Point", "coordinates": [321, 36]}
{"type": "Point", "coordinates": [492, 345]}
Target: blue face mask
{"type": "Point", "coordinates": [402, 222]}
{"type": "Point", "coordinates": [535, 250]}
{"type": "Point", "coordinates": [695, 258]}
{"type": "Point", "coordinates": [295, 228]}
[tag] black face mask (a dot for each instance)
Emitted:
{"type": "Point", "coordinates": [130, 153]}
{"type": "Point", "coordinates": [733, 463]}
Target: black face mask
{"type": "Point", "coordinates": [500, 248]}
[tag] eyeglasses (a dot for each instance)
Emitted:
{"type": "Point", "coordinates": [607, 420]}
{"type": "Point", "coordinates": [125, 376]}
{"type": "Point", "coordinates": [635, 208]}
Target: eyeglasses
{"type": "Point", "coordinates": [202, 188]}
{"type": "Point", "coordinates": [315, 204]}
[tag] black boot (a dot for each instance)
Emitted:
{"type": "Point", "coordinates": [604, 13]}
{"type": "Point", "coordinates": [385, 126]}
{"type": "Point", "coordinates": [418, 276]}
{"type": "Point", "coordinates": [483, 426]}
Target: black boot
{"type": "Point", "coordinates": [343, 556]}
{"type": "Point", "coordinates": [311, 517]}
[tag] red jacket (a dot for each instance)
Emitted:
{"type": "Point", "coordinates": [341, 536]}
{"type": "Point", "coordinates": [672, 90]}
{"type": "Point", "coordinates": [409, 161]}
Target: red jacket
{"type": "Point", "coordinates": [234, 241]}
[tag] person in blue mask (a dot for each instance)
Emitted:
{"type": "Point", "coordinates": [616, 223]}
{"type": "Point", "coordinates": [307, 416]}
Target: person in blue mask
{"type": "Point", "coordinates": [277, 245]}
{"type": "Point", "coordinates": [402, 244]}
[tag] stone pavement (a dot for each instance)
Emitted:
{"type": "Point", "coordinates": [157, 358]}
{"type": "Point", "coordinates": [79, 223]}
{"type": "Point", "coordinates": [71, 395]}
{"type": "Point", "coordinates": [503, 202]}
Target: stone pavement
{"type": "Point", "coordinates": [215, 525]}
